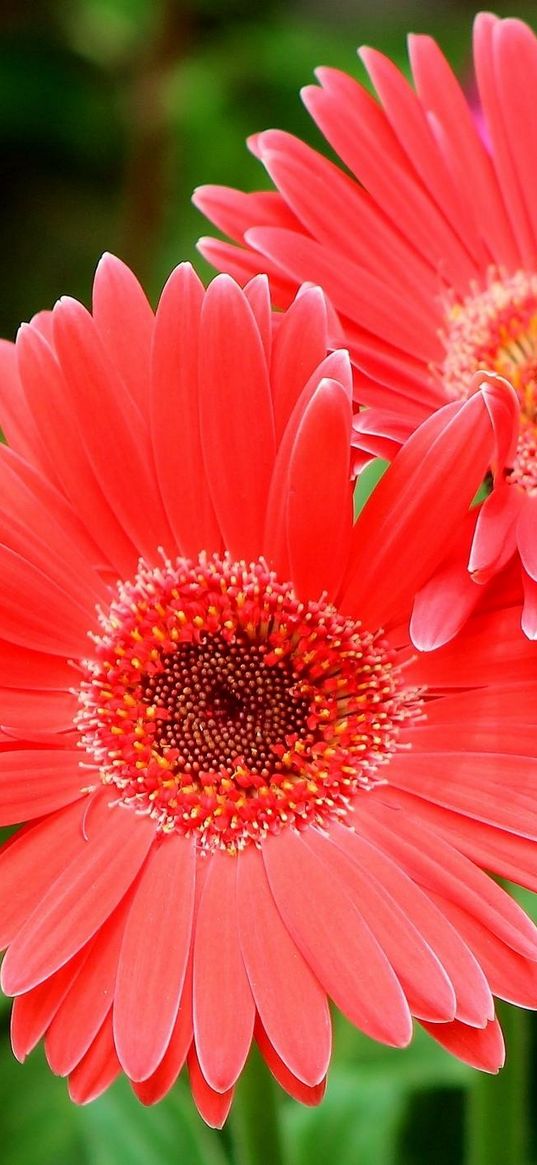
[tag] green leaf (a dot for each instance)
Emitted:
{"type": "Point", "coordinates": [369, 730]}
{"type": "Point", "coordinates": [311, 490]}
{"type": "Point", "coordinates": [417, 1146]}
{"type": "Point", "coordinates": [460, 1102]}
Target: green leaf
{"type": "Point", "coordinates": [39, 1124]}
{"type": "Point", "coordinates": [118, 1130]}
{"type": "Point", "coordinates": [366, 482]}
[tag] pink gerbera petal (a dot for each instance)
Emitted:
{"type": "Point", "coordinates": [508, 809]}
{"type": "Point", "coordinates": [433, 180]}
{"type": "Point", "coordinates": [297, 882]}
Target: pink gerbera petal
{"type": "Point", "coordinates": [153, 959]}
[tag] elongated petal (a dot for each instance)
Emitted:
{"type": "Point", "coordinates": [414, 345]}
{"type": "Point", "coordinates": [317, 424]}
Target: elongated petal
{"type": "Point", "coordinates": [32, 1013]}
{"type": "Point", "coordinates": [46, 849]}
{"type": "Point", "coordinates": [175, 419]}
{"type": "Point", "coordinates": [415, 510]}
{"type": "Point", "coordinates": [99, 1068]}
{"type": "Point", "coordinates": [304, 1093]}
{"type": "Point", "coordinates": [481, 1048]}
{"type": "Point", "coordinates": [34, 782]}
{"type": "Point", "coordinates": [426, 986]}
{"type": "Point", "coordinates": [292, 1005]}
{"type": "Point", "coordinates": [237, 421]}
{"type": "Point", "coordinates": [223, 1003]}
{"type": "Point", "coordinates": [213, 1106]}
{"type": "Point", "coordinates": [124, 320]}
{"type": "Point", "coordinates": [334, 938]}
{"type": "Point", "coordinates": [320, 503]}
{"type": "Point", "coordinates": [84, 1008]}
{"type": "Point", "coordinates": [79, 901]}
{"type": "Point", "coordinates": [299, 347]}
{"type": "Point", "coordinates": [156, 1086]}
{"type": "Point", "coordinates": [154, 956]}
{"type": "Point", "coordinates": [113, 434]}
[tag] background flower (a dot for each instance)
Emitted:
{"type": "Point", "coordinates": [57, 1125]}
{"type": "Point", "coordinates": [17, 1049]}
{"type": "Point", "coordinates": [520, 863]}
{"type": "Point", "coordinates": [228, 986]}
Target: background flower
{"type": "Point", "coordinates": [430, 257]}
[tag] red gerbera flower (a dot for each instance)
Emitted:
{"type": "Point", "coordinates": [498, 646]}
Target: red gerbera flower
{"type": "Point", "coordinates": [244, 791]}
{"type": "Point", "coordinates": [430, 258]}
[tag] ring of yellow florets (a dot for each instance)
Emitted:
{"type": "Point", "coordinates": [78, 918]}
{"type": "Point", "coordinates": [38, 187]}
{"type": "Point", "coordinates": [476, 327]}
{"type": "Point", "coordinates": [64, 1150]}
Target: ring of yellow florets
{"type": "Point", "coordinates": [495, 329]}
{"type": "Point", "coordinates": [225, 708]}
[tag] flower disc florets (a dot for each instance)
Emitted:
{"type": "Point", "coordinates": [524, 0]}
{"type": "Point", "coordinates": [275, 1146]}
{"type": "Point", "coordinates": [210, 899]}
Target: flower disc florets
{"type": "Point", "coordinates": [496, 329]}
{"type": "Point", "coordinates": [225, 708]}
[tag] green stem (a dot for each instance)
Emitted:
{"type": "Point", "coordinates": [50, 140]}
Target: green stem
{"type": "Point", "coordinates": [497, 1120]}
{"type": "Point", "coordinates": [254, 1120]}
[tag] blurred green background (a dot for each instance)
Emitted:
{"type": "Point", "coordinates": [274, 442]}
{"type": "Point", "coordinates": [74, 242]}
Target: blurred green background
{"type": "Point", "coordinates": [111, 111]}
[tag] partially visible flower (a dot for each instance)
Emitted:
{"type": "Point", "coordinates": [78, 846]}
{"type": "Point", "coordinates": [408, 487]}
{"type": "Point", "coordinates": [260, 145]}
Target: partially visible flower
{"type": "Point", "coordinates": [427, 249]}
{"type": "Point", "coordinates": [244, 792]}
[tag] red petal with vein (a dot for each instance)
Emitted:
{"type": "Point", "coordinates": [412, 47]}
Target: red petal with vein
{"type": "Point", "coordinates": [243, 265]}
{"type": "Point", "coordinates": [503, 853]}
{"type": "Point", "coordinates": [174, 394]}
{"type": "Point", "coordinates": [434, 862]}
{"type": "Point", "coordinates": [305, 1094]}
{"type": "Point", "coordinates": [34, 782]}
{"type": "Point", "coordinates": [358, 130]}
{"type": "Point", "coordinates": [223, 1004]}
{"type": "Point", "coordinates": [427, 988]}
{"type": "Point", "coordinates": [515, 59]}
{"type": "Point", "coordinates": [113, 434]}
{"type": "Point", "coordinates": [18, 420]}
{"type": "Point", "coordinates": [46, 849]}
{"type": "Point", "coordinates": [212, 1106]}
{"type": "Point", "coordinates": [99, 1068]}
{"type": "Point", "coordinates": [480, 1047]}
{"type": "Point", "coordinates": [30, 714]}
{"type": "Point", "coordinates": [494, 540]}
{"type": "Point", "coordinates": [489, 644]}
{"type": "Point", "coordinates": [381, 309]}
{"type": "Point", "coordinates": [41, 526]}
{"type": "Point", "coordinates": [124, 320]}
{"type": "Point", "coordinates": [87, 1003]}
{"type": "Point", "coordinates": [23, 668]}
{"type": "Point", "coordinates": [337, 212]}
{"type": "Point", "coordinates": [412, 127]}
{"type": "Point", "coordinates": [441, 94]}
{"type": "Point", "coordinates": [415, 510]}
{"type": "Point", "coordinates": [275, 541]}
{"type": "Point", "coordinates": [153, 1089]}
{"type": "Point", "coordinates": [299, 346]}
{"type": "Point", "coordinates": [335, 940]}
{"type": "Point", "coordinates": [257, 292]}
{"type": "Point", "coordinates": [233, 211]}
{"type": "Point", "coordinates": [237, 420]}
{"type": "Point", "coordinates": [80, 900]}
{"type": "Point", "coordinates": [290, 1001]}
{"type": "Point", "coordinates": [526, 528]}
{"type": "Point", "coordinates": [529, 613]}
{"type": "Point", "coordinates": [319, 508]}
{"type": "Point", "coordinates": [443, 605]}
{"type": "Point", "coordinates": [154, 957]}
{"type": "Point", "coordinates": [32, 1013]}
{"type": "Point", "coordinates": [474, 784]}
{"type": "Point", "coordinates": [511, 977]}
{"type": "Point", "coordinates": [486, 29]}
{"type": "Point", "coordinates": [39, 614]}
{"type": "Point", "coordinates": [473, 999]}
{"type": "Point", "coordinates": [512, 702]}
{"type": "Point", "coordinates": [50, 398]}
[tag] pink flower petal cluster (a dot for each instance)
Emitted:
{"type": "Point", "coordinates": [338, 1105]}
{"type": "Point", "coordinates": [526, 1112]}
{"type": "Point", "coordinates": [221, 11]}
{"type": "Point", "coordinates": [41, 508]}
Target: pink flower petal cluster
{"type": "Point", "coordinates": [427, 247]}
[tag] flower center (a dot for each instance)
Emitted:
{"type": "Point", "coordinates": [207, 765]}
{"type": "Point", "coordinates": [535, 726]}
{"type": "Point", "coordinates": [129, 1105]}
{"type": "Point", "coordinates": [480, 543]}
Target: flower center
{"type": "Point", "coordinates": [226, 709]}
{"type": "Point", "coordinates": [496, 329]}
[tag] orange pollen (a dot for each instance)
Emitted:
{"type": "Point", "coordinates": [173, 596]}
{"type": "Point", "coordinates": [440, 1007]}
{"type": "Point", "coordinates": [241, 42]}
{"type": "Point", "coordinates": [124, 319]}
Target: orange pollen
{"type": "Point", "coordinates": [225, 708]}
{"type": "Point", "coordinates": [496, 329]}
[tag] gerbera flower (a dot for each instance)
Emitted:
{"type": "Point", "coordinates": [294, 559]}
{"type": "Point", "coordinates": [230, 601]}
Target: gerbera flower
{"type": "Point", "coordinates": [239, 781]}
{"type": "Point", "coordinates": [428, 251]}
